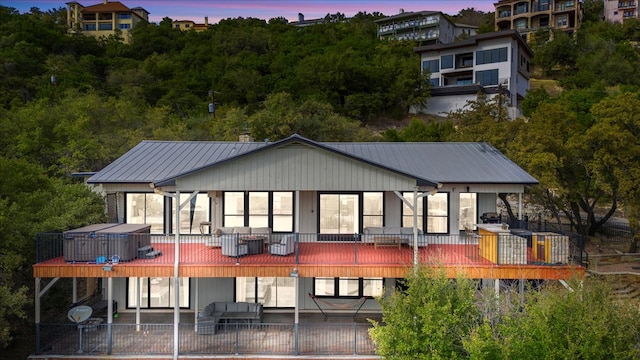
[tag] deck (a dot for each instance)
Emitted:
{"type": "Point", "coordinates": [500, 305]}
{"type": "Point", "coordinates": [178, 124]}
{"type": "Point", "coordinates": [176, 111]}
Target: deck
{"type": "Point", "coordinates": [459, 255]}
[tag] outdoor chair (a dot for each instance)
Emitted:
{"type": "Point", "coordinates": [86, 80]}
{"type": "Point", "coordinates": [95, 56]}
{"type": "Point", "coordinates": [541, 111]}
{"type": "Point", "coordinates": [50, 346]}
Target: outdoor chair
{"type": "Point", "coordinates": [286, 246]}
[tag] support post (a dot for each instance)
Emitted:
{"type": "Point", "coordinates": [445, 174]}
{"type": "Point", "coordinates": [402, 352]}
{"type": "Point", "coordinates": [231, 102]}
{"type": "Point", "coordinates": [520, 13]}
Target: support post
{"type": "Point", "coordinates": [37, 315]}
{"type": "Point", "coordinates": [138, 299]}
{"type": "Point", "coordinates": [109, 315]}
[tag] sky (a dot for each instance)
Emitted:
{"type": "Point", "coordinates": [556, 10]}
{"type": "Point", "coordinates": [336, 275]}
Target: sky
{"type": "Point", "coordinates": [216, 10]}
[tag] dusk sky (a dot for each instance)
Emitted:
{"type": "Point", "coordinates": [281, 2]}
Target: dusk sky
{"type": "Point", "coordinates": [266, 9]}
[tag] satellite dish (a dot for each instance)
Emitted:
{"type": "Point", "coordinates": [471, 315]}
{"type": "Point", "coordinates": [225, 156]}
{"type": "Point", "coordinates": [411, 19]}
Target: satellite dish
{"type": "Point", "coordinates": [80, 314]}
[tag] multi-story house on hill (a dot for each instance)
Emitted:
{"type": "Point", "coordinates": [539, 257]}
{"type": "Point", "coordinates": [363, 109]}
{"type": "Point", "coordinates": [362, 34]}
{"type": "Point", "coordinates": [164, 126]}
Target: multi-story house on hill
{"type": "Point", "coordinates": [491, 63]}
{"type": "Point", "coordinates": [426, 27]}
{"type": "Point", "coordinates": [293, 228]}
{"type": "Point", "coordinates": [104, 19]}
{"type": "Point", "coordinates": [529, 16]}
{"type": "Point", "coordinates": [620, 10]}
{"type": "Point", "coordinates": [186, 25]}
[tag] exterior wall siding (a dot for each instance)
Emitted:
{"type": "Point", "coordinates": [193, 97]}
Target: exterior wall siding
{"type": "Point", "coordinates": [296, 168]}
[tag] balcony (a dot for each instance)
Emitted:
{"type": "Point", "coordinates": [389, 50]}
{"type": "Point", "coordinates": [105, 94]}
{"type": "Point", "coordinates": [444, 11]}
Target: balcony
{"type": "Point", "coordinates": [325, 255]}
{"type": "Point", "coordinates": [626, 5]}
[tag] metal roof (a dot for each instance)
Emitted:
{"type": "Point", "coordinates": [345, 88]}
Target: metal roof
{"type": "Point", "coordinates": [163, 161]}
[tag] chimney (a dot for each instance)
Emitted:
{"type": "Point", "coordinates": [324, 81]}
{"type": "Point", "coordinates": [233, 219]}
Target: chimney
{"type": "Point", "coordinates": [206, 21]}
{"type": "Point", "coordinates": [245, 138]}
{"type": "Point", "coordinates": [401, 11]}
{"type": "Point", "coordinates": [300, 17]}
{"type": "Point", "coordinates": [105, 2]}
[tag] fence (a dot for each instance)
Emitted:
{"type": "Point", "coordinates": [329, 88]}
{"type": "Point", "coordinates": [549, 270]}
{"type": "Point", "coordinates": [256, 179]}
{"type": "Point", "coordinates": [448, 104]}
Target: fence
{"type": "Point", "coordinates": [230, 339]}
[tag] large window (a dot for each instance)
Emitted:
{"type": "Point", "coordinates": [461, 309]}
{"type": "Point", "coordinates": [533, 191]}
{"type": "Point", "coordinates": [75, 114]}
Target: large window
{"type": "Point", "coordinates": [339, 214]}
{"type": "Point", "coordinates": [487, 77]}
{"type": "Point", "coordinates": [275, 292]}
{"type": "Point", "coordinates": [192, 214]}
{"type": "Point", "coordinates": [447, 61]}
{"type": "Point", "coordinates": [143, 208]}
{"type": "Point", "coordinates": [348, 287]}
{"type": "Point", "coordinates": [104, 26]}
{"type": "Point", "coordinates": [491, 56]}
{"type": "Point", "coordinates": [407, 213]}
{"type": "Point", "coordinates": [437, 215]}
{"type": "Point", "coordinates": [259, 209]}
{"type": "Point", "coordinates": [156, 292]}
{"type": "Point", "coordinates": [468, 210]}
{"type": "Point", "coordinates": [432, 66]}
{"type": "Point", "coordinates": [89, 27]}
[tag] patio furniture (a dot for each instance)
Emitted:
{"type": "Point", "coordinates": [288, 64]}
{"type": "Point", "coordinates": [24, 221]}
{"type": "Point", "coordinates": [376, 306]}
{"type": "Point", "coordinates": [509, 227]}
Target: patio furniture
{"type": "Point", "coordinates": [255, 243]}
{"type": "Point", "coordinates": [391, 236]}
{"type": "Point", "coordinates": [227, 311]}
{"type": "Point", "coordinates": [285, 247]}
{"type": "Point", "coordinates": [219, 234]}
{"type": "Point", "coordinates": [232, 247]}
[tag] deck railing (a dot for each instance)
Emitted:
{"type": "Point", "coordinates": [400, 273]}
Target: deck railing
{"type": "Point", "coordinates": [230, 339]}
{"type": "Point", "coordinates": [520, 247]}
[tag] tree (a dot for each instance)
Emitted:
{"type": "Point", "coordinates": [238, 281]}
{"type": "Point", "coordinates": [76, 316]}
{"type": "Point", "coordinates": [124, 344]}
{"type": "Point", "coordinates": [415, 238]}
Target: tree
{"type": "Point", "coordinates": [581, 322]}
{"type": "Point", "coordinates": [429, 319]}
{"type": "Point", "coordinates": [615, 136]}
{"type": "Point", "coordinates": [552, 147]}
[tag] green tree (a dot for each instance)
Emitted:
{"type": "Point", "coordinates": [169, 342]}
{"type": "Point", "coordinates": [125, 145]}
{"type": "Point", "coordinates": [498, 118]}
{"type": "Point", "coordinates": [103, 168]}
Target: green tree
{"type": "Point", "coordinates": [581, 322]}
{"type": "Point", "coordinates": [429, 319]}
{"type": "Point", "coordinates": [615, 136]}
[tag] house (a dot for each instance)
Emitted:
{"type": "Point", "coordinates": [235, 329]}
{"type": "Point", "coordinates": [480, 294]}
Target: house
{"type": "Point", "coordinates": [302, 22]}
{"type": "Point", "coordinates": [426, 27]}
{"type": "Point", "coordinates": [104, 19]}
{"type": "Point", "coordinates": [620, 10]}
{"type": "Point", "coordinates": [357, 217]}
{"type": "Point", "coordinates": [492, 63]}
{"type": "Point", "coordinates": [185, 25]}
{"type": "Point", "coordinates": [529, 16]}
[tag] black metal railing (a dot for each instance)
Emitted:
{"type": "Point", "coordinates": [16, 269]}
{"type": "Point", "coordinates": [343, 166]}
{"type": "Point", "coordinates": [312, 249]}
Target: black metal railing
{"type": "Point", "coordinates": [353, 249]}
{"type": "Point", "coordinates": [229, 339]}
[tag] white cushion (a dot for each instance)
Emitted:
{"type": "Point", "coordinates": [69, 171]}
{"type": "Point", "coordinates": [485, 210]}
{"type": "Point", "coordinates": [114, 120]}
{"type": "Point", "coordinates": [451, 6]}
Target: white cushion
{"type": "Point", "coordinates": [392, 230]}
{"type": "Point", "coordinates": [242, 230]}
{"type": "Point", "coordinates": [261, 231]}
{"type": "Point", "coordinates": [374, 230]}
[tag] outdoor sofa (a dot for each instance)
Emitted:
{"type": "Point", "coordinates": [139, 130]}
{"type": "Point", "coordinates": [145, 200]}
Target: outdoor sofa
{"type": "Point", "coordinates": [227, 311]}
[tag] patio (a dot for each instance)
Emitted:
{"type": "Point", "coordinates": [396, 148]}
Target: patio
{"type": "Point", "coordinates": [343, 335]}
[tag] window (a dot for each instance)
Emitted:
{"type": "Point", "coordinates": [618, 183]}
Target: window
{"type": "Point", "coordinates": [431, 66]}
{"type": "Point", "coordinates": [108, 26]}
{"type": "Point", "coordinates": [372, 209]}
{"type": "Point", "coordinates": [339, 214]}
{"type": "Point", "coordinates": [145, 209]}
{"type": "Point", "coordinates": [233, 209]}
{"type": "Point", "coordinates": [446, 61]}
{"type": "Point", "coordinates": [434, 82]}
{"type": "Point", "coordinates": [348, 287]}
{"type": "Point", "coordinates": [562, 20]}
{"type": "Point", "coordinates": [275, 292]}
{"type": "Point", "coordinates": [487, 77]}
{"type": "Point", "coordinates": [156, 292]}
{"type": "Point", "coordinates": [259, 209]}
{"type": "Point", "coordinates": [491, 56]}
{"type": "Point", "coordinates": [464, 81]}
{"type": "Point", "coordinates": [123, 16]}
{"type": "Point", "coordinates": [407, 213]}
{"type": "Point", "coordinates": [124, 26]}
{"type": "Point", "coordinates": [192, 214]}
{"type": "Point", "coordinates": [437, 219]}
{"type": "Point", "coordinates": [464, 60]}
{"type": "Point", "coordinates": [438, 213]}
{"type": "Point", "coordinates": [468, 210]}
{"type": "Point", "coordinates": [521, 24]}
{"type": "Point", "coordinates": [89, 27]}
{"type": "Point", "coordinates": [282, 212]}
